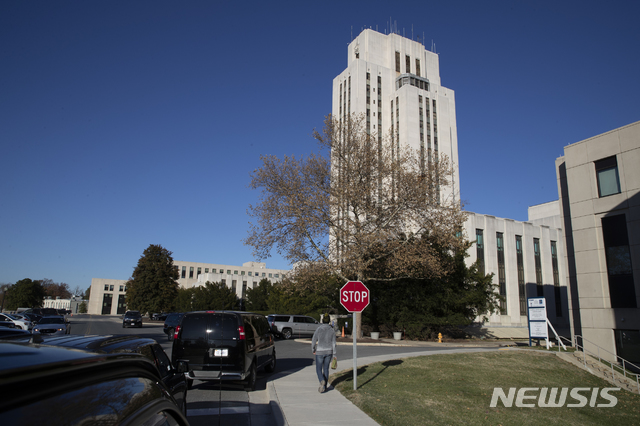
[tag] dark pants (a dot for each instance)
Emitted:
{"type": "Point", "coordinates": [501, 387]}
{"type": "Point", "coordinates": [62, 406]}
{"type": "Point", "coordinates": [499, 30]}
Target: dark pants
{"type": "Point", "coordinates": [322, 367]}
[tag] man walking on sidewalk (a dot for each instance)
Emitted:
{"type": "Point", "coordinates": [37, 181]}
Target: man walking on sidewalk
{"type": "Point", "coordinates": [323, 345]}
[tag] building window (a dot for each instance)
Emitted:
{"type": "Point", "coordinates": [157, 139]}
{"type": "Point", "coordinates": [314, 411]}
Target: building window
{"type": "Point", "coordinates": [607, 174]}
{"type": "Point", "coordinates": [522, 288]}
{"type": "Point", "coordinates": [249, 273]}
{"type": "Point", "coordinates": [213, 271]}
{"type": "Point", "coordinates": [277, 275]}
{"type": "Point", "coordinates": [397, 61]}
{"type": "Point", "coordinates": [407, 64]}
{"type": "Point", "coordinates": [244, 290]}
{"type": "Point", "coordinates": [502, 280]}
{"type": "Point", "coordinates": [235, 272]}
{"type": "Point", "coordinates": [417, 67]}
{"type": "Point", "coordinates": [480, 250]}
{"type": "Point", "coordinates": [111, 287]}
{"type": "Point", "coordinates": [191, 272]}
{"type": "Point", "coordinates": [184, 272]}
{"type": "Point", "coordinates": [264, 275]}
{"type": "Point", "coordinates": [223, 281]}
{"type": "Point", "coordinates": [121, 288]}
{"type": "Point", "coordinates": [106, 287]}
{"type": "Point", "coordinates": [241, 272]}
{"type": "Point", "coordinates": [199, 272]}
{"type": "Point", "coordinates": [619, 268]}
{"type": "Point", "coordinates": [206, 270]}
{"type": "Point", "coordinates": [228, 271]}
{"type": "Point", "coordinates": [628, 344]}
{"type": "Point", "coordinates": [233, 285]}
{"type": "Point", "coordinates": [270, 276]}
{"type": "Point", "coordinates": [556, 278]}
{"type": "Point", "coordinates": [538, 261]}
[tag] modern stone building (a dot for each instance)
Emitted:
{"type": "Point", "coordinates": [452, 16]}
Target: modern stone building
{"type": "Point", "coordinates": [108, 296]}
{"type": "Point", "coordinates": [395, 82]}
{"type": "Point", "coordinates": [599, 188]}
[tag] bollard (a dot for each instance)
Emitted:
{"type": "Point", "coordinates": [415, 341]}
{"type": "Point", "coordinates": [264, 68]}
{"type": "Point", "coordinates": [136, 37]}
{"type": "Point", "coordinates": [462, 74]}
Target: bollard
{"type": "Point", "coordinates": [343, 331]}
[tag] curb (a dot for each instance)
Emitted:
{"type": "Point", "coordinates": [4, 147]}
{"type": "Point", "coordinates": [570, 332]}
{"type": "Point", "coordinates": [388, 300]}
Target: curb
{"type": "Point", "coordinates": [274, 404]}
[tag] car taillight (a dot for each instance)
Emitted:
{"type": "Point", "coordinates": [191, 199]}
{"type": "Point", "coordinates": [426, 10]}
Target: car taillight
{"type": "Point", "coordinates": [241, 332]}
{"type": "Point", "coordinates": [175, 334]}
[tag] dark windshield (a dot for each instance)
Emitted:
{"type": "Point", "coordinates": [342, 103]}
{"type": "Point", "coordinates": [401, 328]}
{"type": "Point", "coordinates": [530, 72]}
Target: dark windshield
{"type": "Point", "coordinates": [52, 320]}
{"type": "Point", "coordinates": [133, 314]}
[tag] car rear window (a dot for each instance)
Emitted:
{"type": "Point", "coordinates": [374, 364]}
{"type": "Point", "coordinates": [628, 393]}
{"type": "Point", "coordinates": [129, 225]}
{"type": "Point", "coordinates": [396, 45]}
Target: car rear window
{"type": "Point", "coordinates": [213, 326]}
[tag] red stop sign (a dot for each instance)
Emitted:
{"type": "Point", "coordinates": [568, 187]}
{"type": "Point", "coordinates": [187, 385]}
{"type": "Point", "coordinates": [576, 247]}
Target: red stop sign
{"type": "Point", "coordinates": [354, 296]}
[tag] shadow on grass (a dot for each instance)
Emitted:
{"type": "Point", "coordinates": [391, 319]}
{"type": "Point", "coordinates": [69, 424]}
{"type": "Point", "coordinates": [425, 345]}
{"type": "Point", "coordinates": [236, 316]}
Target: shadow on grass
{"type": "Point", "coordinates": [348, 375]}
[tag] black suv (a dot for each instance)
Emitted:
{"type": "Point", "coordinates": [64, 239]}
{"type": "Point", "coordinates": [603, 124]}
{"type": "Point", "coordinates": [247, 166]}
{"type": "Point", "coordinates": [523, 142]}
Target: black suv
{"type": "Point", "coordinates": [224, 345]}
{"type": "Point", "coordinates": [171, 323]}
{"type": "Point", "coordinates": [132, 319]}
{"type": "Point", "coordinates": [61, 386]}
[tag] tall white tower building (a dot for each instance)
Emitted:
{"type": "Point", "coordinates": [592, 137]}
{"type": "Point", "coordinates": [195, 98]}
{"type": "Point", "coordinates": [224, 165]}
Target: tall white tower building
{"type": "Point", "coordinates": [395, 82]}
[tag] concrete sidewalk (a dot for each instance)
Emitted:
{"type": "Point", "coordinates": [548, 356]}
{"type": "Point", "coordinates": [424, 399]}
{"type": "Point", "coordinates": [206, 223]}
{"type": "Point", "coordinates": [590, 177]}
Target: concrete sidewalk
{"type": "Point", "coordinates": [295, 400]}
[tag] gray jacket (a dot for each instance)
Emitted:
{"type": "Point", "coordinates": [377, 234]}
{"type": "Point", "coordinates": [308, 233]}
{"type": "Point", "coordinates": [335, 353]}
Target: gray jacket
{"type": "Point", "coordinates": [323, 341]}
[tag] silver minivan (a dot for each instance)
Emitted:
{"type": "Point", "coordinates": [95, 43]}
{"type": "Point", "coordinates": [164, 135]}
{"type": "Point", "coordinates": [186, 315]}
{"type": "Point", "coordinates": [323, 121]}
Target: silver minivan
{"type": "Point", "coordinates": [289, 326]}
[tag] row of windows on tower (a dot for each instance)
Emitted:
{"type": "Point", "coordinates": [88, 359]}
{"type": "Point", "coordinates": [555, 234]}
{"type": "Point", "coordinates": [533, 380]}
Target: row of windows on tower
{"type": "Point", "coordinates": [407, 64]}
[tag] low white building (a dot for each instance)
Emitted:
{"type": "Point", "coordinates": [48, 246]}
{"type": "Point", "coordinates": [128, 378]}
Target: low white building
{"type": "Point", "coordinates": [72, 304]}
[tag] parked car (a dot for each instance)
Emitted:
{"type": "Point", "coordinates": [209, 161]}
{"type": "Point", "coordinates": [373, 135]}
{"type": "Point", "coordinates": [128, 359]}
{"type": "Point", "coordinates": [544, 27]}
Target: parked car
{"type": "Point", "coordinates": [7, 324]}
{"type": "Point", "coordinates": [132, 319]}
{"type": "Point", "coordinates": [60, 386]}
{"type": "Point", "coordinates": [52, 326]}
{"type": "Point", "coordinates": [173, 378]}
{"type": "Point", "coordinates": [289, 326]}
{"type": "Point", "coordinates": [170, 324]}
{"type": "Point", "coordinates": [14, 333]}
{"type": "Point", "coordinates": [224, 345]}
{"type": "Point", "coordinates": [19, 323]}
{"type": "Point", "coordinates": [159, 317]}
{"type": "Point", "coordinates": [34, 318]}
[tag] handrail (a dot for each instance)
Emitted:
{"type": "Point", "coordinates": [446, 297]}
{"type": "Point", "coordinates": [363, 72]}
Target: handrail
{"type": "Point", "coordinates": [617, 358]}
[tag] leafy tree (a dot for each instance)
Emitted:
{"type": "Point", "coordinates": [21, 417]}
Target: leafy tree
{"type": "Point", "coordinates": [25, 294]}
{"type": "Point", "coordinates": [257, 297]}
{"type": "Point", "coordinates": [55, 290]}
{"type": "Point", "coordinates": [87, 293]}
{"type": "Point", "coordinates": [215, 296]}
{"type": "Point", "coordinates": [368, 200]}
{"type": "Point", "coordinates": [82, 308]}
{"type": "Point", "coordinates": [423, 307]}
{"type": "Point", "coordinates": [153, 286]}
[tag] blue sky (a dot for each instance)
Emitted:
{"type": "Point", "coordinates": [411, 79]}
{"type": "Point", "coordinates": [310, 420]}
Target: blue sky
{"type": "Point", "coordinates": [124, 124]}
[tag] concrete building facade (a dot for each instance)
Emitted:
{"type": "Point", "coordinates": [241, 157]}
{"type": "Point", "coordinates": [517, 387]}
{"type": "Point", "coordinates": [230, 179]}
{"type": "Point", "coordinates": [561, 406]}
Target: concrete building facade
{"type": "Point", "coordinates": [395, 82]}
{"type": "Point", "coordinates": [108, 296]}
{"type": "Point", "coordinates": [599, 189]}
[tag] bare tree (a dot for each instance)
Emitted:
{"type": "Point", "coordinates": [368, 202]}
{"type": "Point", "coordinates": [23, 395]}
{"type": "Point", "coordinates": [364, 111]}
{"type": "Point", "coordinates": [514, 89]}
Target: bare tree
{"type": "Point", "coordinates": [360, 201]}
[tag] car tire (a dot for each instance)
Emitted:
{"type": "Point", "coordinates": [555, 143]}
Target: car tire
{"type": "Point", "coordinates": [170, 334]}
{"type": "Point", "coordinates": [287, 334]}
{"type": "Point", "coordinates": [250, 386]}
{"type": "Point", "coordinates": [270, 368]}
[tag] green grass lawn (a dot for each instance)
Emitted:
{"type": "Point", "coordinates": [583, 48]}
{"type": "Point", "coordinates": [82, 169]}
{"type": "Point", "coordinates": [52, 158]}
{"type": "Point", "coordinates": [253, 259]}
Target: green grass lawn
{"type": "Point", "coordinates": [456, 389]}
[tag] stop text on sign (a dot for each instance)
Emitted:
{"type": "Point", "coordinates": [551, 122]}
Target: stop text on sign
{"type": "Point", "coordinates": [355, 296]}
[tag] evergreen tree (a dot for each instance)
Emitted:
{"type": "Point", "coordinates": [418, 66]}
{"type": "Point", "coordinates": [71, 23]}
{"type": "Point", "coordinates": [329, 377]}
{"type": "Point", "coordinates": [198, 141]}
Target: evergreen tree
{"type": "Point", "coordinates": [153, 286]}
{"type": "Point", "coordinates": [214, 296]}
{"type": "Point", "coordinates": [257, 297]}
{"type": "Point", "coordinates": [24, 294]}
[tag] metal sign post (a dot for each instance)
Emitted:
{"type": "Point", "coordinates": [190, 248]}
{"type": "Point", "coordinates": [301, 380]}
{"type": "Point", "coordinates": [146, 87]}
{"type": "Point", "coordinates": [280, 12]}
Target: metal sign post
{"type": "Point", "coordinates": [354, 296]}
